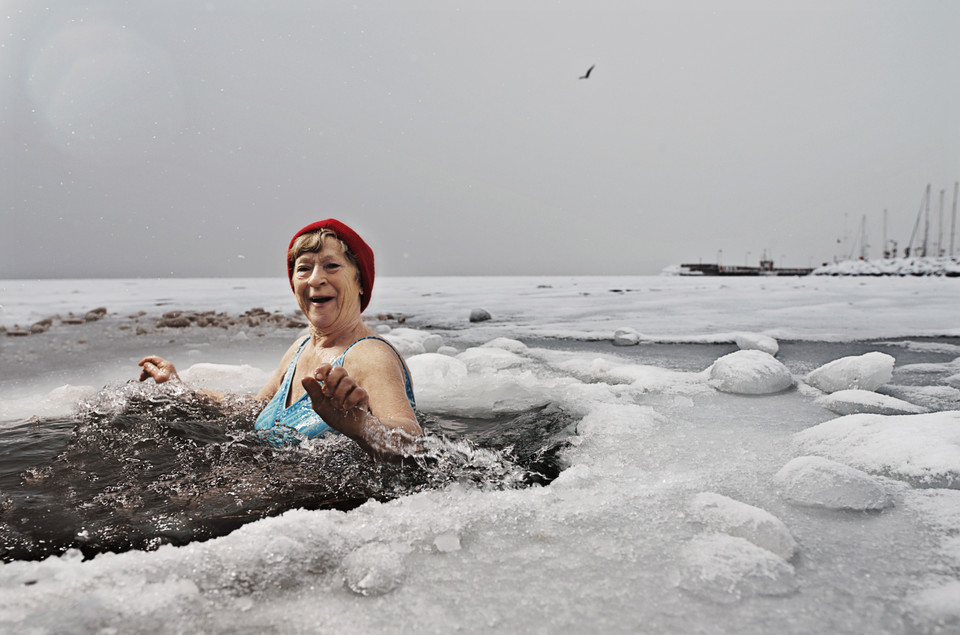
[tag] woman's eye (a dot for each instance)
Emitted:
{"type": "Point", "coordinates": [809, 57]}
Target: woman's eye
{"type": "Point", "coordinates": [333, 266]}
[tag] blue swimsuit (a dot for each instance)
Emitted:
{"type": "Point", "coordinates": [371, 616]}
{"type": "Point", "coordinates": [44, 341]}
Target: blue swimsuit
{"type": "Point", "coordinates": [299, 417]}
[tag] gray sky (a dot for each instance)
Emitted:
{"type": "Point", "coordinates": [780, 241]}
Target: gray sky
{"type": "Point", "coordinates": [192, 138]}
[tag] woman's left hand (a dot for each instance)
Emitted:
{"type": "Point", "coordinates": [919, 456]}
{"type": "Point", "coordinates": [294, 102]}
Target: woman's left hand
{"type": "Point", "coordinates": [339, 400]}
{"type": "Point", "coordinates": [344, 405]}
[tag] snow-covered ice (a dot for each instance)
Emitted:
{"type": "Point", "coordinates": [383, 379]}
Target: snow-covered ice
{"type": "Point", "coordinates": [679, 504]}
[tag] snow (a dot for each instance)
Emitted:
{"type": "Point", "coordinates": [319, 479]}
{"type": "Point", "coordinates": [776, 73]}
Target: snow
{"type": "Point", "coordinates": [682, 507]}
{"type": "Point", "coordinates": [892, 267]}
{"type": "Point", "coordinates": [864, 372]}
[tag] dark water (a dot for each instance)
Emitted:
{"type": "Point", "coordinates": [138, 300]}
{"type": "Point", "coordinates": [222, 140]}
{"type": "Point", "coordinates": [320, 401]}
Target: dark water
{"type": "Point", "coordinates": [144, 465]}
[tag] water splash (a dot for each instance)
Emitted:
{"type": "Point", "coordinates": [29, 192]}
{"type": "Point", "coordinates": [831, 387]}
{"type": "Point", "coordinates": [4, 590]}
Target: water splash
{"type": "Point", "coordinates": [145, 465]}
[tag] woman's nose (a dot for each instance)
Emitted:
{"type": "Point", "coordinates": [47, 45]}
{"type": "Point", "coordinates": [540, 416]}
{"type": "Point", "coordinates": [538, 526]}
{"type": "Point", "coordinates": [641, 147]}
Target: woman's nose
{"type": "Point", "coordinates": [317, 276]}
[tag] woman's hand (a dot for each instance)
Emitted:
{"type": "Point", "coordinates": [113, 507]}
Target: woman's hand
{"type": "Point", "coordinates": [157, 367]}
{"type": "Point", "coordinates": [344, 405]}
{"type": "Point", "coordinates": [339, 400]}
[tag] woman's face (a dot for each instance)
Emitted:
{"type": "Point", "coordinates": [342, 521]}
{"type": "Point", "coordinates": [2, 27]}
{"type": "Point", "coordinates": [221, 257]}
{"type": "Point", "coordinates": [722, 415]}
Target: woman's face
{"type": "Point", "coordinates": [326, 287]}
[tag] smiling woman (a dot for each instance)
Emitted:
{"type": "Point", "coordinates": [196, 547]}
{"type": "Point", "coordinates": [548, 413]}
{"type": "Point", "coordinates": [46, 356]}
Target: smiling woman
{"type": "Point", "coordinates": [318, 388]}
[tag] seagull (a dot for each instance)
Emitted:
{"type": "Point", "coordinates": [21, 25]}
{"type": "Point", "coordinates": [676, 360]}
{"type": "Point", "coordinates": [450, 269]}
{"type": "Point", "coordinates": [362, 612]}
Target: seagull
{"type": "Point", "coordinates": [587, 74]}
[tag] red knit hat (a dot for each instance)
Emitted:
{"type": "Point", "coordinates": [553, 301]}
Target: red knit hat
{"type": "Point", "coordinates": [359, 248]}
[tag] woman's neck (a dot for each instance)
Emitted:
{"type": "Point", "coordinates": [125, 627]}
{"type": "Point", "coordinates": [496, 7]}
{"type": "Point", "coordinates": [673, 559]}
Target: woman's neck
{"type": "Point", "coordinates": [338, 337]}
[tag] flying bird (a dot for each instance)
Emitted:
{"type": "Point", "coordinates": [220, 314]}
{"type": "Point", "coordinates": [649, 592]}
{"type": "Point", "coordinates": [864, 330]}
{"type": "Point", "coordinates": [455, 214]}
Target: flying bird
{"type": "Point", "coordinates": [587, 74]}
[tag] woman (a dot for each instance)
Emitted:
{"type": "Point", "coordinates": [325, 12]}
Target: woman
{"type": "Point", "coordinates": [342, 377]}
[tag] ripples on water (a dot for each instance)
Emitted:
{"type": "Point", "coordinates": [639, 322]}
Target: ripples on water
{"type": "Point", "coordinates": [143, 465]}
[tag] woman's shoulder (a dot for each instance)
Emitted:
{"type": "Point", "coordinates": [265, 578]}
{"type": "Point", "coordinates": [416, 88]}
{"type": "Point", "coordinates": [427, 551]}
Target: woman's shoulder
{"type": "Point", "coordinates": [371, 348]}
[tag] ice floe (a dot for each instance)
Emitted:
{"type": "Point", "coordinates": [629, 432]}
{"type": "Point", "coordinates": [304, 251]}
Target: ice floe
{"type": "Point", "coordinates": [852, 401]}
{"type": "Point", "coordinates": [750, 372]}
{"type": "Point", "coordinates": [923, 449]}
{"type": "Point", "coordinates": [814, 481]}
{"type": "Point", "coordinates": [757, 342]}
{"type": "Point", "coordinates": [726, 515]}
{"type": "Point", "coordinates": [865, 372]}
{"type": "Point", "coordinates": [725, 569]}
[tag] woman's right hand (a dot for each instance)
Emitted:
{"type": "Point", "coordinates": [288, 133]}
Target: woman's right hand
{"type": "Point", "coordinates": [157, 367]}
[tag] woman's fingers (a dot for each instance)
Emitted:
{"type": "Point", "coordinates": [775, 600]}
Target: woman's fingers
{"type": "Point", "coordinates": [339, 387]}
{"type": "Point", "coordinates": [160, 369]}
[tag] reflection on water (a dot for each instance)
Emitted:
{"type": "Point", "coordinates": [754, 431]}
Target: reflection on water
{"type": "Point", "coordinates": [144, 465]}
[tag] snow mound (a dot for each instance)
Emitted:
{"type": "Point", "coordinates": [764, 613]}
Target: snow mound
{"type": "Point", "coordinates": [853, 401]}
{"type": "Point", "coordinates": [814, 481]}
{"type": "Point", "coordinates": [756, 342]}
{"type": "Point", "coordinates": [734, 518]}
{"type": "Point", "coordinates": [865, 372]}
{"type": "Point", "coordinates": [921, 449]}
{"type": "Point", "coordinates": [725, 569]}
{"type": "Point", "coordinates": [749, 373]}
{"type": "Point", "coordinates": [626, 336]}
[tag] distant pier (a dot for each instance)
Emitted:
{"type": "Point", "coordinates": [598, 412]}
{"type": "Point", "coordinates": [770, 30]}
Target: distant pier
{"type": "Point", "coordinates": [766, 268]}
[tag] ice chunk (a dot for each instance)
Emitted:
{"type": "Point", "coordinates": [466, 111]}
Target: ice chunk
{"type": "Point", "coordinates": [241, 378]}
{"type": "Point", "coordinates": [408, 342]}
{"type": "Point", "coordinates": [626, 336]}
{"type": "Point", "coordinates": [756, 342]}
{"type": "Point", "coordinates": [507, 344]}
{"type": "Point", "coordinates": [852, 401]}
{"type": "Point", "coordinates": [489, 386]}
{"type": "Point", "coordinates": [866, 372]}
{"type": "Point", "coordinates": [432, 343]}
{"type": "Point", "coordinates": [814, 481]}
{"type": "Point", "coordinates": [922, 449]}
{"type": "Point", "coordinates": [735, 518]}
{"type": "Point", "coordinates": [435, 369]}
{"type": "Point", "coordinates": [749, 373]}
{"type": "Point", "coordinates": [725, 569]}
{"type": "Point", "coordinates": [59, 401]}
{"type": "Point", "coordinates": [447, 541]}
{"type": "Point", "coordinates": [373, 569]}
{"type": "Point", "coordinates": [489, 359]}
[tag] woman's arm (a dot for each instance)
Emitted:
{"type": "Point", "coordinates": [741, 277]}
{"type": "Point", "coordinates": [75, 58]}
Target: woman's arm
{"type": "Point", "coordinates": [162, 370]}
{"type": "Point", "coordinates": [367, 401]}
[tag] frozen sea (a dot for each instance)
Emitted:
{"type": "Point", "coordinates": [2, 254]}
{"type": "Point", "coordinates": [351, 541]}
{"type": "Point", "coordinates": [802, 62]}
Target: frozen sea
{"type": "Point", "coordinates": [755, 455]}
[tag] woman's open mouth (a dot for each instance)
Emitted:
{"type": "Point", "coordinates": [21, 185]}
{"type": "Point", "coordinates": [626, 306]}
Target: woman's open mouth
{"type": "Point", "coordinates": [320, 300]}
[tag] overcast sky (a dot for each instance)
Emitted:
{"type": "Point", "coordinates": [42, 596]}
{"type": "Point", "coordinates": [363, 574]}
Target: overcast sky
{"type": "Point", "coordinates": [189, 138]}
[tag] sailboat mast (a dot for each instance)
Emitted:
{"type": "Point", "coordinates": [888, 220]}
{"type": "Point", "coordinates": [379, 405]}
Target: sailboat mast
{"type": "Point", "coordinates": [926, 223]}
{"type": "Point", "coordinates": [940, 228]}
{"type": "Point", "coordinates": [953, 221]}
{"type": "Point", "coordinates": [916, 225]}
{"type": "Point", "coordinates": [885, 250]}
